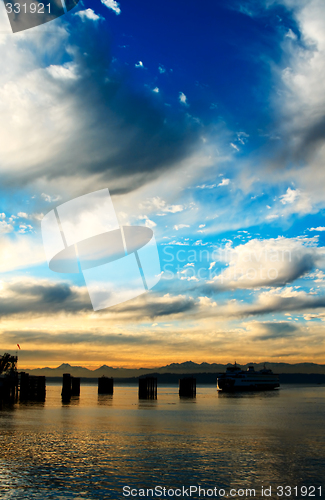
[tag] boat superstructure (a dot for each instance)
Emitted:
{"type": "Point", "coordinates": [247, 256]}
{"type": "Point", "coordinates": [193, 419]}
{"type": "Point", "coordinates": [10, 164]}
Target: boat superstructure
{"type": "Point", "coordinates": [236, 379]}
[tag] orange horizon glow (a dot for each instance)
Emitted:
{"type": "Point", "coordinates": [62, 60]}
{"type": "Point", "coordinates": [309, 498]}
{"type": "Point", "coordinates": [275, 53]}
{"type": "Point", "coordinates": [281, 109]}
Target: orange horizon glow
{"type": "Point", "coordinates": [160, 363]}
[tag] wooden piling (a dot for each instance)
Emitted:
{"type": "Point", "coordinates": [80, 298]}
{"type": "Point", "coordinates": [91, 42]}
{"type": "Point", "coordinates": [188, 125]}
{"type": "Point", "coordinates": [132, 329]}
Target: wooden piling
{"type": "Point", "coordinates": [8, 378]}
{"type": "Point", "coordinates": [187, 387]}
{"type": "Point", "coordinates": [148, 388]}
{"type": "Point", "coordinates": [75, 386]}
{"type": "Point", "coordinates": [31, 387]}
{"type": "Point", "coordinates": [66, 387]}
{"type": "Point", "coordinates": [23, 386]}
{"type": "Point", "coordinates": [105, 385]}
{"type": "Point", "coordinates": [9, 387]}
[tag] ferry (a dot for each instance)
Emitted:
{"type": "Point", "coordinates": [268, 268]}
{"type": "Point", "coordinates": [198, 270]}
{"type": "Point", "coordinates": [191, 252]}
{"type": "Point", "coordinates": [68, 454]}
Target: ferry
{"type": "Point", "coordinates": [236, 379]}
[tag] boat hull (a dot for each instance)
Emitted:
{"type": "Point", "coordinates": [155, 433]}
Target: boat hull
{"type": "Point", "coordinates": [230, 385]}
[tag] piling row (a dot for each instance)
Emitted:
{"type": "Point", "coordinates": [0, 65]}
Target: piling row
{"type": "Point", "coordinates": [70, 387]}
{"type": "Point", "coordinates": [187, 387]}
{"type": "Point", "coordinates": [105, 385]}
{"type": "Point", "coordinates": [148, 388]}
{"type": "Point", "coordinates": [31, 387]}
{"type": "Point", "coordinates": [34, 388]}
{"type": "Point", "coordinates": [9, 387]}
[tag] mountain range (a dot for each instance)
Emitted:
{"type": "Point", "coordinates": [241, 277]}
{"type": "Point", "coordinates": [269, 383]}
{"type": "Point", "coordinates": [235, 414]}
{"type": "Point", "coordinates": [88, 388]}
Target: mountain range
{"type": "Point", "coordinates": [188, 367]}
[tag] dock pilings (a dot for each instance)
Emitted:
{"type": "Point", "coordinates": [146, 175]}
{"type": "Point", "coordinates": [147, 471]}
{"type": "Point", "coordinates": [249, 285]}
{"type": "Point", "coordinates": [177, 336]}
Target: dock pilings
{"type": "Point", "coordinates": [105, 385]}
{"type": "Point", "coordinates": [187, 387]}
{"type": "Point", "coordinates": [31, 387]}
{"type": "Point", "coordinates": [148, 388]}
{"type": "Point", "coordinates": [75, 386]}
{"type": "Point", "coordinates": [9, 388]}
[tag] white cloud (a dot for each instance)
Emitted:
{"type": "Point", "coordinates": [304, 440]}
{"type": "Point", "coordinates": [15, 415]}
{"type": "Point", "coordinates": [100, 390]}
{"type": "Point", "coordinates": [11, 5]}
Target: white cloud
{"type": "Point", "coordinates": [180, 226]}
{"type": "Point", "coordinates": [206, 186]}
{"type": "Point", "coordinates": [148, 223]}
{"type": "Point", "coordinates": [182, 98]}
{"type": "Point", "coordinates": [272, 217]}
{"type": "Point", "coordinates": [296, 201]}
{"type": "Point", "coordinates": [25, 228]}
{"type": "Point", "coordinates": [156, 203]}
{"type": "Point", "coordinates": [156, 89]}
{"type": "Point", "coordinates": [189, 278]}
{"type": "Point", "coordinates": [112, 4]}
{"type": "Point", "coordinates": [49, 198]}
{"type": "Point", "coordinates": [22, 215]}
{"type": "Point", "coordinates": [88, 14]}
{"type": "Point", "coordinates": [175, 242]}
{"type": "Point", "coordinates": [63, 72]}
{"type": "Point", "coordinates": [139, 64]}
{"type": "Point", "coordinates": [38, 216]}
{"type": "Point", "coordinates": [199, 243]}
{"type": "Point", "coordinates": [161, 69]}
{"type": "Point", "coordinates": [20, 251]}
{"type": "Point", "coordinates": [2, 216]}
{"type": "Point", "coordinates": [300, 100]}
{"type": "Point", "coordinates": [271, 262]}
{"type": "Point", "coordinates": [242, 137]}
{"type": "Point", "coordinates": [224, 182]}
{"type": "Point", "coordinates": [234, 146]}
{"type": "Point", "coordinates": [319, 228]}
{"type": "Point", "coordinates": [174, 208]}
{"type": "Point", "coordinates": [290, 196]}
{"type": "Point", "coordinates": [5, 227]}
{"type": "Point", "coordinates": [291, 34]}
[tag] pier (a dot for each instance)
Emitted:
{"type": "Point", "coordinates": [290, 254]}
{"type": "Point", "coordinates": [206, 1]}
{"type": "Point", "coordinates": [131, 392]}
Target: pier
{"type": "Point", "coordinates": [8, 379]}
{"type": "Point", "coordinates": [20, 386]}
{"type": "Point", "coordinates": [148, 388]}
{"type": "Point", "coordinates": [70, 387]}
{"type": "Point", "coordinates": [75, 386]}
{"type": "Point", "coordinates": [105, 385]}
{"type": "Point", "coordinates": [14, 385]}
{"type": "Point", "coordinates": [31, 387]}
{"type": "Point", "coordinates": [187, 387]}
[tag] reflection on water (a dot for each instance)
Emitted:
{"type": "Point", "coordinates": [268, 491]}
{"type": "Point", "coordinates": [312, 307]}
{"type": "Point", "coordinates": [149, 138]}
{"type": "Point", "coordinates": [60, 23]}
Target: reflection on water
{"type": "Point", "coordinates": [73, 401]}
{"type": "Point", "coordinates": [187, 399]}
{"type": "Point", "coordinates": [105, 399]}
{"type": "Point", "coordinates": [250, 394]}
{"type": "Point", "coordinates": [93, 446]}
{"type": "Point", "coordinates": [147, 404]}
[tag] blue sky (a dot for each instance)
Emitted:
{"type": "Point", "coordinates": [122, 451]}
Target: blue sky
{"type": "Point", "coordinates": [206, 123]}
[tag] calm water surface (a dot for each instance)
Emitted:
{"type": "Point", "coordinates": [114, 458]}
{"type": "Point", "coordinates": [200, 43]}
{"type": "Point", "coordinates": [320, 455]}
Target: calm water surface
{"type": "Point", "coordinates": [92, 447]}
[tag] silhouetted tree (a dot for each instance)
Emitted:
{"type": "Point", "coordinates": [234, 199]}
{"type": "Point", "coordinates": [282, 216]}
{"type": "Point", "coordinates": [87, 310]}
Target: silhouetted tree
{"type": "Point", "coordinates": [7, 363]}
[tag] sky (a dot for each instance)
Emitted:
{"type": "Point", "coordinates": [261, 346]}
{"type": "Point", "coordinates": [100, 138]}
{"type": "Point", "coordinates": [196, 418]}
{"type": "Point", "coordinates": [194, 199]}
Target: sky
{"type": "Point", "coordinates": [206, 122]}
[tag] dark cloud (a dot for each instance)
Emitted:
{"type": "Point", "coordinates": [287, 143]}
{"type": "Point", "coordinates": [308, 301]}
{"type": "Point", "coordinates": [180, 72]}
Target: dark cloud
{"type": "Point", "coordinates": [37, 337]}
{"type": "Point", "coordinates": [276, 330]}
{"type": "Point", "coordinates": [30, 298]}
{"type": "Point", "coordinates": [280, 303]}
{"type": "Point", "coordinates": [34, 298]}
{"type": "Point", "coordinates": [155, 308]}
{"type": "Point", "coordinates": [295, 265]}
{"type": "Point", "coordinates": [117, 135]}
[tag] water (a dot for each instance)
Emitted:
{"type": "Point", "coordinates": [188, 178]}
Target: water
{"type": "Point", "coordinates": [92, 447]}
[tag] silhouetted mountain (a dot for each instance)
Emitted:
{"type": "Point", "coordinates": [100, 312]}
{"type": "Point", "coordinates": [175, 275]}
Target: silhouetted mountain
{"type": "Point", "coordinates": [189, 367]}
